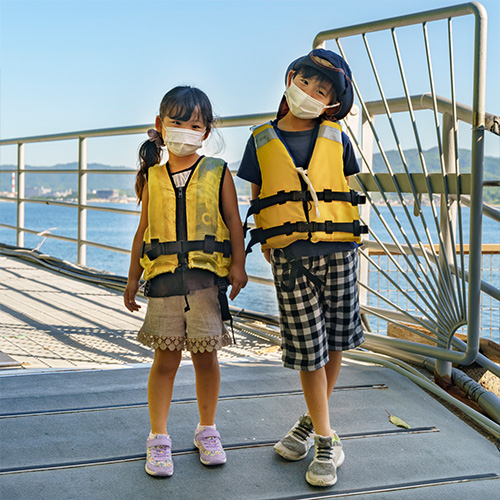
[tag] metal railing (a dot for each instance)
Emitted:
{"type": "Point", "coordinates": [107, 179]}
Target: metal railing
{"type": "Point", "coordinates": [443, 285]}
{"type": "Point", "coordinates": [446, 298]}
{"type": "Point", "coordinates": [83, 172]}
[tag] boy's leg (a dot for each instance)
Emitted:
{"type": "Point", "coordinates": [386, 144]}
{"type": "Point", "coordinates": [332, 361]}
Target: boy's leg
{"type": "Point", "coordinates": [160, 387]}
{"type": "Point", "coordinates": [315, 387]}
{"type": "Point", "coordinates": [332, 369]}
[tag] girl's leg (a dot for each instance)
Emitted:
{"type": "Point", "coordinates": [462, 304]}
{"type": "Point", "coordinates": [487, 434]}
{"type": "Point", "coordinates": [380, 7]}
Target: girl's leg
{"type": "Point", "coordinates": [206, 366]}
{"type": "Point", "coordinates": [160, 387]}
{"type": "Point", "coordinates": [315, 386]}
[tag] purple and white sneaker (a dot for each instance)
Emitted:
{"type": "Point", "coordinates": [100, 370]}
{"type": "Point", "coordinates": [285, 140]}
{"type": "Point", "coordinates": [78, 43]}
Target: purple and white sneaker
{"type": "Point", "coordinates": [211, 450]}
{"type": "Point", "coordinates": [159, 456]}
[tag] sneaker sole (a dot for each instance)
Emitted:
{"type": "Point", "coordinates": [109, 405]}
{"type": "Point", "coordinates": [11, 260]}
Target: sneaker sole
{"type": "Point", "coordinates": [340, 460]}
{"type": "Point", "coordinates": [157, 474]}
{"type": "Point", "coordinates": [317, 481]}
{"type": "Point", "coordinates": [285, 453]}
{"type": "Point", "coordinates": [206, 462]}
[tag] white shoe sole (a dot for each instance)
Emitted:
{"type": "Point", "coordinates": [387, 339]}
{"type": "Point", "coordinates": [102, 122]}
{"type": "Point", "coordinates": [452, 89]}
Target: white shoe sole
{"type": "Point", "coordinates": [206, 462]}
{"type": "Point", "coordinates": [156, 474]}
{"type": "Point", "coordinates": [340, 460]}
{"type": "Point", "coordinates": [287, 455]}
{"type": "Point", "coordinates": [319, 481]}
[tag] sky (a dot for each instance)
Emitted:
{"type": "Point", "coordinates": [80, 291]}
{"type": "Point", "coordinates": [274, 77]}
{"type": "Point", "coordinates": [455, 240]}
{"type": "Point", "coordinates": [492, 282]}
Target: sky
{"type": "Point", "coordinates": [77, 65]}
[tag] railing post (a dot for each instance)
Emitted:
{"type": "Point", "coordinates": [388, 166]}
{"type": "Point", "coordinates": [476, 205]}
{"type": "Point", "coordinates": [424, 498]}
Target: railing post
{"type": "Point", "coordinates": [82, 200]}
{"type": "Point", "coordinates": [443, 369]}
{"type": "Point", "coordinates": [364, 210]}
{"type": "Point", "coordinates": [20, 194]}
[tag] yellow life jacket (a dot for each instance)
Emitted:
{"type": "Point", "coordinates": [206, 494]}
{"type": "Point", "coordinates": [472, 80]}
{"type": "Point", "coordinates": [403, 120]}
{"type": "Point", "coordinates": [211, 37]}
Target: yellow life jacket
{"type": "Point", "coordinates": [207, 245]}
{"type": "Point", "coordinates": [284, 211]}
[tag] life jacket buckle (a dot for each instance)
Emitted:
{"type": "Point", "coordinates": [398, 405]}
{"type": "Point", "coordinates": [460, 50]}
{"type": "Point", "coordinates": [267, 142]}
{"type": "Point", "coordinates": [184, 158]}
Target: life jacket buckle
{"type": "Point", "coordinates": [298, 195]}
{"type": "Point", "coordinates": [254, 207]}
{"type": "Point", "coordinates": [304, 227]}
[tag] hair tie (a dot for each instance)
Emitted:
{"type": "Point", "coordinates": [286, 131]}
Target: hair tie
{"type": "Point", "coordinates": [155, 136]}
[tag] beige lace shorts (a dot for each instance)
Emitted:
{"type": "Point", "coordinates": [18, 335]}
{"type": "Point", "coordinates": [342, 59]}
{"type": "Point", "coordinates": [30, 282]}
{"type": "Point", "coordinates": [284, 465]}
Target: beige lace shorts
{"type": "Point", "coordinates": [168, 326]}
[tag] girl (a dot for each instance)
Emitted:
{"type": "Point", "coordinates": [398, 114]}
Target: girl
{"type": "Point", "coordinates": [189, 243]}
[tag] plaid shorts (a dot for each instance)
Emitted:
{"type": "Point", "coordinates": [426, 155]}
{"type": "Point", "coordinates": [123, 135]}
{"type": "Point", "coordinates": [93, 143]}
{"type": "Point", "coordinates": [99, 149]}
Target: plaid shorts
{"type": "Point", "coordinates": [318, 317]}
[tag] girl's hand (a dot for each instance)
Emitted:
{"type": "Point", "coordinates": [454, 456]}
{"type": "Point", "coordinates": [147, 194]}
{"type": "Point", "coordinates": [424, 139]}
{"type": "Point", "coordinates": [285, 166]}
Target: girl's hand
{"type": "Point", "coordinates": [129, 296]}
{"type": "Point", "coordinates": [238, 279]}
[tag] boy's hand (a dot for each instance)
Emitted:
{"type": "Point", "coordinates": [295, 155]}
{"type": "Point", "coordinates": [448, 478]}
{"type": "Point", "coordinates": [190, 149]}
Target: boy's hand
{"type": "Point", "coordinates": [267, 255]}
{"type": "Point", "coordinates": [129, 296]}
{"type": "Point", "coordinates": [238, 279]}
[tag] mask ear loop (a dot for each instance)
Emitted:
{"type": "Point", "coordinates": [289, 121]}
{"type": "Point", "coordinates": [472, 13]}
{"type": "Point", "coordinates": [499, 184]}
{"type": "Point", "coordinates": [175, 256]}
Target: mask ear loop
{"type": "Point", "coordinates": [314, 196]}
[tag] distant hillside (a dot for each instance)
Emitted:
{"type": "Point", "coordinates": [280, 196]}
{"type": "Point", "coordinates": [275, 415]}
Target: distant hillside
{"type": "Point", "coordinates": [123, 182]}
{"type": "Point", "coordinates": [491, 164]}
{"type": "Point", "coordinates": [62, 182]}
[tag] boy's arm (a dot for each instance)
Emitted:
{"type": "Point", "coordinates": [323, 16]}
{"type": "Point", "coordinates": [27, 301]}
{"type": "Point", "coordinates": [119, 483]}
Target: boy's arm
{"type": "Point", "coordinates": [237, 275]}
{"type": "Point", "coordinates": [135, 269]}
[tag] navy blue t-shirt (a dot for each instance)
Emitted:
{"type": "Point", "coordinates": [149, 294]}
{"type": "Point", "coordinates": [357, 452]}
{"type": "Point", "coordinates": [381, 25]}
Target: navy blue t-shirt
{"type": "Point", "coordinates": [300, 146]}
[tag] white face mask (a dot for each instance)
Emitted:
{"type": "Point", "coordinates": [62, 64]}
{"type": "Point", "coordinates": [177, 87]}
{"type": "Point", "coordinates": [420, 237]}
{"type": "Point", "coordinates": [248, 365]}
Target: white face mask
{"type": "Point", "coordinates": [302, 105]}
{"type": "Point", "coordinates": [182, 141]}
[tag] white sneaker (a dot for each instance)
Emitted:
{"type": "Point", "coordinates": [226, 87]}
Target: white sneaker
{"type": "Point", "coordinates": [297, 442]}
{"type": "Point", "coordinates": [322, 471]}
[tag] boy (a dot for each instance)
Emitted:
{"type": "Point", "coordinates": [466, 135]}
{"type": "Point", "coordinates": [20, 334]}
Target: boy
{"type": "Point", "coordinates": [308, 225]}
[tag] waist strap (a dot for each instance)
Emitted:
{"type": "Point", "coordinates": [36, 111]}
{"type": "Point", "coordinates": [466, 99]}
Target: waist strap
{"type": "Point", "coordinates": [154, 249]}
{"type": "Point", "coordinates": [260, 235]}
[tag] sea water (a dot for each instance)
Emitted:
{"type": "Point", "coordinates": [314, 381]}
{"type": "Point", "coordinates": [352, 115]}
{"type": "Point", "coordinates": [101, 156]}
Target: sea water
{"type": "Point", "coordinates": [118, 230]}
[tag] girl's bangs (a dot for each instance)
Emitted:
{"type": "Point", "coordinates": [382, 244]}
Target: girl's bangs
{"type": "Point", "coordinates": [181, 111]}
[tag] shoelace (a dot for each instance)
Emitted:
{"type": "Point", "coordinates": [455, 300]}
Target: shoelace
{"type": "Point", "coordinates": [325, 453]}
{"type": "Point", "coordinates": [160, 452]}
{"type": "Point", "coordinates": [211, 443]}
{"type": "Point", "coordinates": [302, 431]}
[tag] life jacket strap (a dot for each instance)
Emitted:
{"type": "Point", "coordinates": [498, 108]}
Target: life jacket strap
{"type": "Point", "coordinates": [209, 245]}
{"type": "Point", "coordinates": [297, 269]}
{"type": "Point", "coordinates": [222, 285]}
{"type": "Point", "coordinates": [282, 197]}
{"type": "Point", "coordinates": [260, 235]}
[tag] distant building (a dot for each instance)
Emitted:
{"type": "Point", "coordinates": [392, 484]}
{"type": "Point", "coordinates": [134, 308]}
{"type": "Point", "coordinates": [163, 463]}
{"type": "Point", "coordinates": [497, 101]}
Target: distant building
{"type": "Point", "coordinates": [106, 193]}
{"type": "Point", "coordinates": [36, 191]}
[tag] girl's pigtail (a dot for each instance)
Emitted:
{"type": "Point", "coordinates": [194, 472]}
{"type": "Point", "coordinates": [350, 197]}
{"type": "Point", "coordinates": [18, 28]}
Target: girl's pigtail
{"type": "Point", "coordinates": [149, 155]}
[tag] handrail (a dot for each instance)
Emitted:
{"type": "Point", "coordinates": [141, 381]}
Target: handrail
{"type": "Point", "coordinates": [398, 22]}
{"type": "Point", "coordinates": [230, 121]}
{"type": "Point", "coordinates": [420, 102]}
